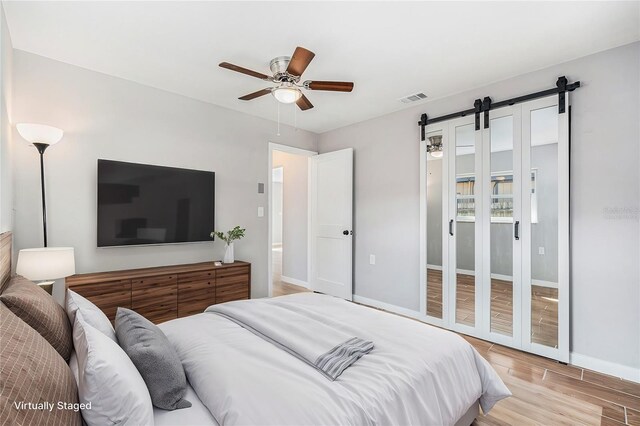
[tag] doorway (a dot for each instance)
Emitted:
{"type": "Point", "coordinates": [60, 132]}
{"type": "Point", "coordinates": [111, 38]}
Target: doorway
{"type": "Point", "coordinates": [288, 198]}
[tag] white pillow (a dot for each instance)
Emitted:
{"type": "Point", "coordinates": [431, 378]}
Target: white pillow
{"type": "Point", "coordinates": [108, 380]}
{"type": "Point", "coordinates": [91, 314]}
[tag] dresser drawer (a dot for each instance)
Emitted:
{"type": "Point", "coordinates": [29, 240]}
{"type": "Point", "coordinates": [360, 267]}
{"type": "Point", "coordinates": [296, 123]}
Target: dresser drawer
{"type": "Point", "coordinates": [232, 271]}
{"type": "Point", "coordinates": [155, 298]}
{"type": "Point", "coordinates": [154, 281]}
{"type": "Point", "coordinates": [232, 286]}
{"type": "Point", "coordinates": [196, 292]}
{"type": "Point", "coordinates": [197, 276]}
{"type": "Point", "coordinates": [108, 296]}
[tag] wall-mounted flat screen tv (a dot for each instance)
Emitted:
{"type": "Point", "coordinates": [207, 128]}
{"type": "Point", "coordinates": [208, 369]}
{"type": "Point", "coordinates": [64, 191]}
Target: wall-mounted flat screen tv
{"type": "Point", "coordinates": [142, 204]}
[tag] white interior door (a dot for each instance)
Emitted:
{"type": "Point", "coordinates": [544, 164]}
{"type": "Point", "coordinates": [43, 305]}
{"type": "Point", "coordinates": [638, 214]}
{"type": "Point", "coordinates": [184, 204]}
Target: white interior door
{"type": "Point", "coordinates": [331, 190]}
{"type": "Point", "coordinates": [465, 229]}
{"type": "Point", "coordinates": [502, 230]}
{"type": "Point", "coordinates": [545, 219]}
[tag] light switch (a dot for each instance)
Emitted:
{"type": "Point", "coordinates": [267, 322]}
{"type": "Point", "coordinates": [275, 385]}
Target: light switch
{"type": "Point", "coordinates": [540, 250]}
{"type": "Point", "coordinates": [260, 211]}
{"type": "Point", "coordinates": [372, 259]}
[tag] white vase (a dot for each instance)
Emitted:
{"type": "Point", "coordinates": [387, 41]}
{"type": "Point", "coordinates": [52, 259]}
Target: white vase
{"type": "Point", "coordinates": [228, 254]}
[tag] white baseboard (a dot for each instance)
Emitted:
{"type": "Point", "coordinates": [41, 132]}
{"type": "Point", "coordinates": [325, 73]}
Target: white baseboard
{"type": "Point", "coordinates": [294, 281]}
{"type": "Point", "coordinates": [606, 367]}
{"type": "Point", "coordinates": [590, 363]}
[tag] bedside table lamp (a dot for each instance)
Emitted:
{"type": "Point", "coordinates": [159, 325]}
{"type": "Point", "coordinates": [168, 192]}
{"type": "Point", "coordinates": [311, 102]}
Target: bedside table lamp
{"type": "Point", "coordinates": [41, 136]}
{"type": "Point", "coordinates": [46, 265]}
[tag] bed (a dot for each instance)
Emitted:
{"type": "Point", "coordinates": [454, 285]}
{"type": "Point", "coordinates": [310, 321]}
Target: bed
{"type": "Point", "coordinates": [415, 373]}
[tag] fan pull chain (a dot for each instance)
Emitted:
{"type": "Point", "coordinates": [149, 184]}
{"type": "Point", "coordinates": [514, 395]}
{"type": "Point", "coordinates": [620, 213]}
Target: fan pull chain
{"type": "Point", "coordinates": [295, 117]}
{"type": "Point", "coordinates": [278, 118]}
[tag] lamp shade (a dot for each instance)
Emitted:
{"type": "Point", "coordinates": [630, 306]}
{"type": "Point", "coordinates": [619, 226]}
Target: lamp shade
{"type": "Point", "coordinates": [39, 133]}
{"type": "Point", "coordinates": [46, 263]}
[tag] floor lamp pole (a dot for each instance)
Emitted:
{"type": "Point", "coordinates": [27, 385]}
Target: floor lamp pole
{"type": "Point", "coordinates": [41, 147]}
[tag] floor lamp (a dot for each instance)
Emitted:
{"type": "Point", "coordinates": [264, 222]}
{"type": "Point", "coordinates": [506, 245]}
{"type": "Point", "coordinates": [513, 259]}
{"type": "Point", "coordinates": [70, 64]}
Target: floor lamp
{"type": "Point", "coordinates": [41, 136]}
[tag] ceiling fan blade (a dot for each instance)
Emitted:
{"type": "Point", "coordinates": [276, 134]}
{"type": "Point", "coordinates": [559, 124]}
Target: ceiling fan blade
{"type": "Point", "coordinates": [303, 103]}
{"type": "Point", "coordinates": [242, 70]}
{"type": "Point", "coordinates": [332, 86]}
{"type": "Point", "coordinates": [255, 94]}
{"type": "Point", "coordinates": [300, 61]}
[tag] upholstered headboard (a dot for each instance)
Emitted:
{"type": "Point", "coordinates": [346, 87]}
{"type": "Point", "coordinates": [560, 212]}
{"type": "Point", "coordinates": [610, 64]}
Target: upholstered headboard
{"type": "Point", "coordinates": [5, 258]}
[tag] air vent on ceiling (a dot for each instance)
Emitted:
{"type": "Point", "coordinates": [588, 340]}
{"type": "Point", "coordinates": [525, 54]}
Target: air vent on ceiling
{"type": "Point", "coordinates": [413, 98]}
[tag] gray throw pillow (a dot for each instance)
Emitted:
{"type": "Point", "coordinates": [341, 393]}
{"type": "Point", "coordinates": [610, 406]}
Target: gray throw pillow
{"type": "Point", "coordinates": [154, 357]}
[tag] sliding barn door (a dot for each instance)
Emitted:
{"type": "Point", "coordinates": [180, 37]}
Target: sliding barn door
{"type": "Point", "coordinates": [331, 180]}
{"type": "Point", "coordinates": [502, 227]}
{"type": "Point", "coordinates": [545, 228]}
{"type": "Point", "coordinates": [495, 226]}
{"type": "Point", "coordinates": [464, 226]}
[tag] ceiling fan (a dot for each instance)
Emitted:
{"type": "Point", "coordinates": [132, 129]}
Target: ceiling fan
{"type": "Point", "coordinates": [286, 74]}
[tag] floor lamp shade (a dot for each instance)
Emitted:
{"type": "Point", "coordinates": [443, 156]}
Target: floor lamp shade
{"type": "Point", "coordinates": [46, 263]}
{"type": "Point", "coordinates": [39, 133]}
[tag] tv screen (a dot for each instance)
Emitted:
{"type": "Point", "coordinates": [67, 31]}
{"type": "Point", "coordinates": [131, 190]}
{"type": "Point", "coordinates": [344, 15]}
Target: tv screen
{"type": "Point", "coordinates": [144, 204]}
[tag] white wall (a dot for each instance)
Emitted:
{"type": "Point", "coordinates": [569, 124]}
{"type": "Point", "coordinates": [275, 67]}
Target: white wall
{"type": "Point", "coordinates": [295, 214]}
{"type": "Point", "coordinates": [605, 200]}
{"type": "Point", "coordinates": [108, 117]}
{"type": "Point", "coordinates": [6, 143]}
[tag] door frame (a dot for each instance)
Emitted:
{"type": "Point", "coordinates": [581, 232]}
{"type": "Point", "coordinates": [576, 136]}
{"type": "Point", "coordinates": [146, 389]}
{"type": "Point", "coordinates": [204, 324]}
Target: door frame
{"type": "Point", "coordinates": [296, 151]}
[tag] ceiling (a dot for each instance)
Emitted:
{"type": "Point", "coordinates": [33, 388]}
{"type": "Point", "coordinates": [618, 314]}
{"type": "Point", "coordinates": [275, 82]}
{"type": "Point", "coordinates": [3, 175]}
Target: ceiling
{"type": "Point", "coordinates": [389, 49]}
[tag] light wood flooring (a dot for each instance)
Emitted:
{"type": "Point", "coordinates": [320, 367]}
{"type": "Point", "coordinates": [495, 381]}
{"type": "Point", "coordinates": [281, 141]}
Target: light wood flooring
{"type": "Point", "coordinates": [281, 288]}
{"type": "Point", "coordinates": [544, 306]}
{"type": "Point", "coordinates": [546, 392]}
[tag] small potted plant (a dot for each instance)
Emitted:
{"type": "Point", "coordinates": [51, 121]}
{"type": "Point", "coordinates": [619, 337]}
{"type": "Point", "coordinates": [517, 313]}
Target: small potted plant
{"type": "Point", "coordinates": [232, 235]}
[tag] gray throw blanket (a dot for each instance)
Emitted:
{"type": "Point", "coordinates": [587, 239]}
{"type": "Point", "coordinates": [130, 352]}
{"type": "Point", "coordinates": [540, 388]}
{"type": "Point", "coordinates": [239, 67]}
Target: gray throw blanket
{"type": "Point", "coordinates": [322, 346]}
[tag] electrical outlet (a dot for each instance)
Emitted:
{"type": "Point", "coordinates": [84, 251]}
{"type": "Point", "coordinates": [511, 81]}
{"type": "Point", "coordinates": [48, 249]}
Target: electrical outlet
{"type": "Point", "coordinates": [540, 250]}
{"type": "Point", "coordinates": [372, 259]}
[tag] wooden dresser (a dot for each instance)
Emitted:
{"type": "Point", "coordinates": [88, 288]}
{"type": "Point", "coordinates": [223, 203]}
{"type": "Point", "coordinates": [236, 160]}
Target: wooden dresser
{"type": "Point", "coordinates": [166, 292]}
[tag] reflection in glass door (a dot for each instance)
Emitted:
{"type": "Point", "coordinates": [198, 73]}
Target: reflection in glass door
{"type": "Point", "coordinates": [502, 224]}
{"type": "Point", "coordinates": [501, 199]}
{"type": "Point", "coordinates": [464, 224]}
{"type": "Point", "coordinates": [545, 232]}
{"type": "Point", "coordinates": [543, 277]}
{"type": "Point", "coordinates": [435, 193]}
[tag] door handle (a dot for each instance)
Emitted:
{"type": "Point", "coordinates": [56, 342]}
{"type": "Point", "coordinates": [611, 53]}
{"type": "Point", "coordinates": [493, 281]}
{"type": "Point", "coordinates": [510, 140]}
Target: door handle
{"type": "Point", "coordinates": [516, 231]}
{"type": "Point", "coordinates": [451, 227]}
{"type": "Point", "coordinates": [345, 232]}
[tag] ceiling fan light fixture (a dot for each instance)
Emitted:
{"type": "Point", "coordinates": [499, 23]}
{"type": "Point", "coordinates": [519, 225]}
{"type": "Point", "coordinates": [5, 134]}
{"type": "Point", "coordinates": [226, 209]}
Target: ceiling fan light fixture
{"type": "Point", "coordinates": [435, 146]}
{"type": "Point", "coordinates": [286, 94]}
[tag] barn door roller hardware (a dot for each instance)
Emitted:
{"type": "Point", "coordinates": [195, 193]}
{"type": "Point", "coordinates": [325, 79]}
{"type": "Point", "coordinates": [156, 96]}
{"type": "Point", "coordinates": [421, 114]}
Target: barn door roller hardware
{"type": "Point", "coordinates": [562, 87]}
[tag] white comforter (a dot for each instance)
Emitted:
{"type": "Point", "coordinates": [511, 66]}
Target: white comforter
{"type": "Point", "coordinates": [415, 375]}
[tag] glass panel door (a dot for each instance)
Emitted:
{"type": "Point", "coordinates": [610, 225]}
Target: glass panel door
{"type": "Point", "coordinates": [436, 254]}
{"type": "Point", "coordinates": [543, 198]}
{"type": "Point", "coordinates": [465, 230]}
{"type": "Point", "coordinates": [545, 231]}
{"type": "Point", "coordinates": [502, 265]}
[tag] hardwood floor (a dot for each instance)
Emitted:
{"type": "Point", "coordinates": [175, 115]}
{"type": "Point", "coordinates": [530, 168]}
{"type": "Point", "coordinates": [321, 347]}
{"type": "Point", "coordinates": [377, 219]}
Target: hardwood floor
{"type": "Point", "coordinates": [544, 306]}
{"type": "Point", "coordinates": [281, 288]}
{"type": "Point", "coordinates": [546, 392]}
